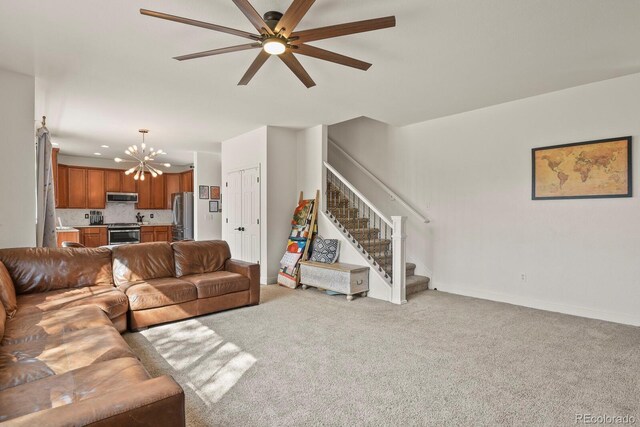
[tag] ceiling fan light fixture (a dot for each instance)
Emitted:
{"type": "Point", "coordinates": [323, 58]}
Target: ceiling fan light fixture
{"type": "Point", "coordinates": [274, 45]}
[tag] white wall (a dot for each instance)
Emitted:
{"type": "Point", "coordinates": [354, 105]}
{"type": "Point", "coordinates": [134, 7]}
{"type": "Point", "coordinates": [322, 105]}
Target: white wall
{"type": "Point", "coordinates": [207, 171]}
{"type": "Point", "coordinates": [472, 174]}
{"type": "Point", "coordinates": [17, 174]}
{"type": "Point", "coordinates": [282, 194]}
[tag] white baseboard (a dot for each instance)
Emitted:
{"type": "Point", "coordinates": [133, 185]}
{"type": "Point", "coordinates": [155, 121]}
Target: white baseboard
{"type": "Point", "coordinates": [627, 319]}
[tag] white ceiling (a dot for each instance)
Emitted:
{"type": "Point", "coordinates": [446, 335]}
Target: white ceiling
{"type": "Point", "coordinates": [103, 70]}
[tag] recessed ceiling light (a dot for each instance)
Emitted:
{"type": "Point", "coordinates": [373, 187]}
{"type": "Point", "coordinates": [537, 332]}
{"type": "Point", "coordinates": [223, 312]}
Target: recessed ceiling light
{"type": "Point", "coordinates": [98, 154]}
{"type": "Point", "coordinates": [104, 146]}
{"type": "Point", "coordinates": [55, 144]}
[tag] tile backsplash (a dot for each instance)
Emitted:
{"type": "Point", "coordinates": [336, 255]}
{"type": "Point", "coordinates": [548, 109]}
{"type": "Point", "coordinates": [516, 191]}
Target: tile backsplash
{"type": "Point", "coordinates": [115, 212]}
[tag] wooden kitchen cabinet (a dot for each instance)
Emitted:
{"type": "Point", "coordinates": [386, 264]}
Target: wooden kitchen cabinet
{"type": "Point", "coordinates": [93, 237]}
{"type": "Point", "coordinates": [67, 236]}
{"type": "Point", "coordinates": [113, 181]}
{"type": "Point", "coordinates": [96, 194]}
{"type": "Point", "coordinates": [77, 194]}
{"type": "Point", "coordinates": [144, 192]}
{"type": "Point", "coordinates": [172, 184]}
{"type": "Point", "coordinates": [158, 233]}
{"type": "Point", "coordinates": [187, 181]}
{"type": "Point", "coordinates": [61, 186]}
{"type": "Point", "coordinates": [157, 192]}
{"type": "Point", "coordinates": [128, 183]}
{"type": "Point", "coordinates": [147, 234]}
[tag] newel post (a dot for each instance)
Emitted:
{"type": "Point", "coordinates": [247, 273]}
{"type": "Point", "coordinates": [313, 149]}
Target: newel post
{"type": "Point", "coordinates": [399, 289]}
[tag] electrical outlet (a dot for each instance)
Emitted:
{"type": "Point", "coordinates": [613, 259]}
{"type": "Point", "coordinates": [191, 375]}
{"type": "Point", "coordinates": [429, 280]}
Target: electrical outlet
{"type": "Point", "coordinates": [151, 216]}
{"type": "Point", "coordinates": [523, 277]}
{"type": "Point", "coordinates": [86, 216]}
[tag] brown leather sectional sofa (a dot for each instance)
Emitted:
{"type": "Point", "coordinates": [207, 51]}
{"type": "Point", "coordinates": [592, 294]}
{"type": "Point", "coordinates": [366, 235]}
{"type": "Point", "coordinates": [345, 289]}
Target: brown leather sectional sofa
{"type": "Point", "coordinates": [62, 359]}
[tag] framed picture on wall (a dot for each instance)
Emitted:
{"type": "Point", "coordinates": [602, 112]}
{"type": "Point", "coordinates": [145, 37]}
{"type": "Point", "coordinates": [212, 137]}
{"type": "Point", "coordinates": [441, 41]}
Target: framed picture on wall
{"type": "Point", "coordinates": [203, 191]}
{"type": "Point", "coordinates": [215, 192]}
{"type": "Point", "coordinates": [213, 206]}
{"type": "Point", "coordinates": [582, 170]}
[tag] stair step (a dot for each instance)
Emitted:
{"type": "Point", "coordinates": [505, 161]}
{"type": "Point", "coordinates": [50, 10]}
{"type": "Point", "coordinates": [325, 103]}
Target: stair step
{"type": "Point", "coordinates": [365, 233]}
{"type": "Point", "coordinates": [344, 212]}
{"type": "Point", "coordinates": [353, 223]}
{"type": "Point", "coordinates": [375, 245]}
{"type": "Point", "coordinates": [417, 284]}
{"type": "Point", "coordinates": [337, 203]}
{"type": "Point", "coordinates": [411, 269]}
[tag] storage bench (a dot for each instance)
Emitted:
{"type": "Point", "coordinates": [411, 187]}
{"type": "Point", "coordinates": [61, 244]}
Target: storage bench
{"type": "Point", "coordinates": [343, 278]}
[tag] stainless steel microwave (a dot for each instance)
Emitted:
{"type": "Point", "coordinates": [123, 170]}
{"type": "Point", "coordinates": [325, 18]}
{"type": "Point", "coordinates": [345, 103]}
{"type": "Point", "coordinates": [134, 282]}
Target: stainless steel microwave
{"type": "Point", "coordinates": [122, 197]}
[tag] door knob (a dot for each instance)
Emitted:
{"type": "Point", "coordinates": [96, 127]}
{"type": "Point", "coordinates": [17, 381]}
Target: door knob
{"type": "Point", "coordinates": [239, 229]}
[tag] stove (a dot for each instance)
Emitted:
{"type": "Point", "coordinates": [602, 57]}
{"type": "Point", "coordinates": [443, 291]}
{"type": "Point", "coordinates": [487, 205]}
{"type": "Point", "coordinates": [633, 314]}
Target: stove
{"type": "Point", "coordinates": [123, 233]}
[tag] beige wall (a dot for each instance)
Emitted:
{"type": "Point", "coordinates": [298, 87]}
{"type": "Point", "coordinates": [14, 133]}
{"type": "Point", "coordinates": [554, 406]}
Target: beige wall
{"type": "Point", "coordinates": [17, 174]}
{"type": "Point", "coordinates": [471, 173]}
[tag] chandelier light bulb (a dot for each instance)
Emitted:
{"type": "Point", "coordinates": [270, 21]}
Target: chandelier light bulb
{"type": "Point", "coordinates": [143, 160]}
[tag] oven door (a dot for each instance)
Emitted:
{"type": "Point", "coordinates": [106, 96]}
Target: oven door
{"type": "Point", "coordinates": [124, 236]}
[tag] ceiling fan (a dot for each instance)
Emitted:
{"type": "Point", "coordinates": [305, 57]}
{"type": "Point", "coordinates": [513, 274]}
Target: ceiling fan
{"type": "Point", "coordinates": [276, 37]}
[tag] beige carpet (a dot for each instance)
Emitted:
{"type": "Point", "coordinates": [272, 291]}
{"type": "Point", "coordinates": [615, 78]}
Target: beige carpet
{"type": "Point", "coordinates": [306, 358]}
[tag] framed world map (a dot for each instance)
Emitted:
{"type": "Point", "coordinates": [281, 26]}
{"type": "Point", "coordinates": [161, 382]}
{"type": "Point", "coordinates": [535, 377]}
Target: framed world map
{"type": "Point", "coordinates": [591, 169]}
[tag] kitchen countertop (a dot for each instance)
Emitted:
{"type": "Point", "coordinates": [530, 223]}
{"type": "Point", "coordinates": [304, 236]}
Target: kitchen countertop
{"type": "Point", "coordinates": [88, 226]}
{"type": "Point", "coordinates": [67, 230]}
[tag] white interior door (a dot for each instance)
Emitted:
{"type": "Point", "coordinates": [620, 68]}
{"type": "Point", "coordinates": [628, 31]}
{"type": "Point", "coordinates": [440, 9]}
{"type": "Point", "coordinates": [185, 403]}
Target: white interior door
{"type": "Point", "coordinates": [251, 215]}
{"type": "Point", "coordinates": [243, 214]}
{"type": "Point", "coordinates": [233, 205]}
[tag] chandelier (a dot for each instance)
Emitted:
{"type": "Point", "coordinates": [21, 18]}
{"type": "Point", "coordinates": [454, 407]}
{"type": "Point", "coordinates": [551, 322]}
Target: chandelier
{"type": "Point", "coordinates": [145, 159]}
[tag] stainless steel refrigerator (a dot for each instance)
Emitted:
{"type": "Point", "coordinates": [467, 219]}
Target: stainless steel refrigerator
{"type": "Point", "coordinates": [182, 205]}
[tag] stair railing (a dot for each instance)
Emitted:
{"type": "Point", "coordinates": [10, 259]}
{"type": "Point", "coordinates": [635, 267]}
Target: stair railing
{"type": "Point", "coordinates": [376, 180]}
{"type": "Point", "coordinates": [348, 206]}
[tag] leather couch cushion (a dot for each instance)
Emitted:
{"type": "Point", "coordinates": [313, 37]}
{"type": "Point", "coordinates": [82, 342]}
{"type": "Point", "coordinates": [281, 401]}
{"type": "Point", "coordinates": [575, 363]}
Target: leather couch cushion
{"type": "Point", "coordinates": [71, 387]}
{"type": "Point", "coordinates": [56, 354]}
{"type": "Point", "coordinates": [134, 263]}
{"type": "Point", "coordinates": [3, 320]}
{"type": "Point", "coordinates": [7, 291]}
{"type": "Point", "coordinates": [111, 300]}
{"type": "Point", "coordinates": [35, 326]}
{"type": "Point", "coordinates": [46, 269]}
{"type": "Point", "coordinates": [218, 283]}
{"type": "Point", "coordinates": [159, 293]}
{"type": "Point", "coordinates": [200, 257]}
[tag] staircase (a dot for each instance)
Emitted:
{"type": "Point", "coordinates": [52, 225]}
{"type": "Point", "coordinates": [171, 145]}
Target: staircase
{"type": "Point", "coordinates": [368, 231]}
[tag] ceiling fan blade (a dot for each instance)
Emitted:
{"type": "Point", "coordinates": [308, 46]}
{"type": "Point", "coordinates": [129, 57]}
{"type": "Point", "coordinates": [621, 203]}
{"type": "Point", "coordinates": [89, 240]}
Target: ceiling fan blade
{"type": "Point", "coordinates": [253, 16]}
{"type": "Point", "coordinates": [343, 29]}
{"type": "Point", "coordinates": [297, 68]}
{"type": "Point", "coordinates": [218, 51]}
{"type": "Point", "coordinates": [326, 55]}
{"type": "Point", "coordinates": [293, 16]}
{"type": "Point", "coordinates": [254, 67]}
{"type": "Point", "coordinates": [199, 24]}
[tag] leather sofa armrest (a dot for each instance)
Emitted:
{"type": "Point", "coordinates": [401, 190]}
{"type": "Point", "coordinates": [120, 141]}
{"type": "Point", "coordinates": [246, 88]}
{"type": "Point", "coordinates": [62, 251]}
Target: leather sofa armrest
{"type": "Point", "coordinates": [156, 402]}
{"type": "Point", "coordinates": [249, 270]}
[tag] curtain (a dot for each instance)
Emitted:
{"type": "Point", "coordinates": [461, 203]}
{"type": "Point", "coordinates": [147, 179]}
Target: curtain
{"type": "Point", "coordinates": [46, 220]}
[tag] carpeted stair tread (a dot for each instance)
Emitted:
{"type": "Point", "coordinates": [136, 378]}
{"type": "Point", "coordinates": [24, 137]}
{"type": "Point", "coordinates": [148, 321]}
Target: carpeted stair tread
{"type": "Point", "coordinates": [417, 284]}
{"type": "Point", "coordinates": [411, 269]}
